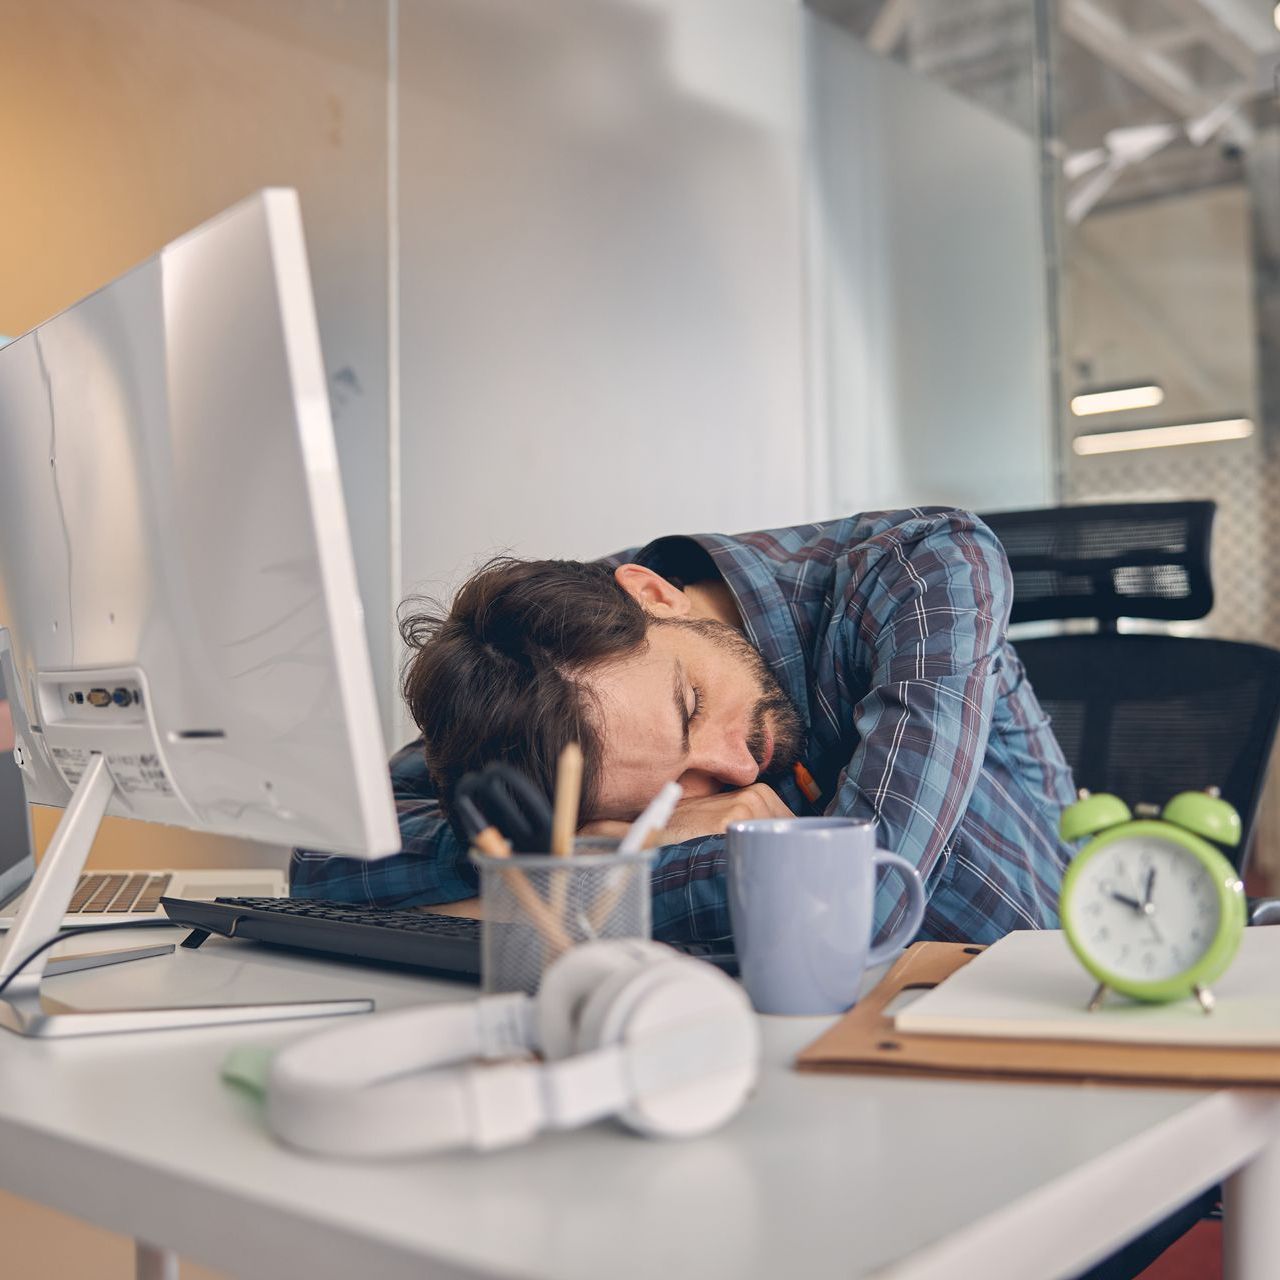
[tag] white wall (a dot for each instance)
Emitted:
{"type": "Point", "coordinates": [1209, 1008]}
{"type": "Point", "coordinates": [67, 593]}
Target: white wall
{"type": "Point", "coordinates": [601, 275]}
{"type": "Point", "coordinates": [930, 334]}
{"type": "Point", "coordinates": [669, 267]}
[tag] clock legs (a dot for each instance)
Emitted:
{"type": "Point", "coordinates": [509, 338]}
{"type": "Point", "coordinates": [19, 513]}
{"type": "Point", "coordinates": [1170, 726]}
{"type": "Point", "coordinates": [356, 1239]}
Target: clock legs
{"type": "Point", "coordinates": [1202, 994]}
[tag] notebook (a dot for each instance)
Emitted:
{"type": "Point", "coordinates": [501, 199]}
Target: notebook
{"type": "Point", "coordinates": [1030, 986]}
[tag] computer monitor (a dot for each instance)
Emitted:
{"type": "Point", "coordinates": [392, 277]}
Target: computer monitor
{"type": "Point", "coordinates": [185, 634]}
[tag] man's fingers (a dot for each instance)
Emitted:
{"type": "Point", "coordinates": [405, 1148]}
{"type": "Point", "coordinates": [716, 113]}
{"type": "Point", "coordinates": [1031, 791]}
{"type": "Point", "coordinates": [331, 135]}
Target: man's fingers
{"type": "Point", "coordinates": [710, 815]}
{"type": "Point", "coordinates": [765, 802]}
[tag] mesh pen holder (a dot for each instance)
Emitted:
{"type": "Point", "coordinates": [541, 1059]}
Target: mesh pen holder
{"type": "Point", "coordinates": [535, 907]}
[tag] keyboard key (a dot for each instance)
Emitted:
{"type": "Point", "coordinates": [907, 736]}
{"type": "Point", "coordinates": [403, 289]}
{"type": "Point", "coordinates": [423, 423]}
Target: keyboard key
{"type": "Point", "coordinates": [86, 887]}
{"type": "Point", "coordinates": [125, 899]}
{"type": "Point", "coordinates": [110, 886]}
{"type": "Point", "coordinates": [149, 898]}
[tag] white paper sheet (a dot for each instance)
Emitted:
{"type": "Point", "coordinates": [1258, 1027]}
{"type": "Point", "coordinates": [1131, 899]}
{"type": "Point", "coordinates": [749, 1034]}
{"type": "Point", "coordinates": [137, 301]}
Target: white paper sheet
{"type": "Point", "coordinates": [1029, 985]}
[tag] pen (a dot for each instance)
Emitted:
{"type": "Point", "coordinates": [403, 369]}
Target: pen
{"type": "Point", "coordinates": [805, 781]}
{"type": "Point", "coordinates": [657, 813]}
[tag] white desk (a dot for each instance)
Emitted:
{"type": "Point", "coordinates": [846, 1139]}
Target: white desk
{"type": "Point", "coordinates": [820, 1176]}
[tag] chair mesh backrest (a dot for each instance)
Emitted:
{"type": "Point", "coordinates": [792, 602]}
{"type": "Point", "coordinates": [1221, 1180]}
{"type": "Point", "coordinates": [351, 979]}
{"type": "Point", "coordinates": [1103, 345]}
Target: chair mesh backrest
{"type": "Point", "coordinates": [1134, 560]}
{"type": "Point", "coordinates": [1145, 717]}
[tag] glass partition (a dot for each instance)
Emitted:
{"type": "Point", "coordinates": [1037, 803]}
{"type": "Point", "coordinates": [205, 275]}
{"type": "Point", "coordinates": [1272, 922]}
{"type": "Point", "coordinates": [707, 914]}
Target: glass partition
{"type": "Point", "coordinates": [1159, 125]}
{"type": "Point", "coordinates": [1168, 139]}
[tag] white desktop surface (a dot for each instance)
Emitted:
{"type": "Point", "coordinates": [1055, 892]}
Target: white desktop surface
{"type": "Point", "coordinates": [819, 1176]}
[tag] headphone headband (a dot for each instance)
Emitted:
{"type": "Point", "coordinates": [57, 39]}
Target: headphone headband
{"type": "Point", "coordinates": [672, 1048]}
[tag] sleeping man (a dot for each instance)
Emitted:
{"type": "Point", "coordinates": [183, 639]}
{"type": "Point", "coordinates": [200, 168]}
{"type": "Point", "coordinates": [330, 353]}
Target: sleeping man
{"type": "Point", "coordinates": [857, 667]}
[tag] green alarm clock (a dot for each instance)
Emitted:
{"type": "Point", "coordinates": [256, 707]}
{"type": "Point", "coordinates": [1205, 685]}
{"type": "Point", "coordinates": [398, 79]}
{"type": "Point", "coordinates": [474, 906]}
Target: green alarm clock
{"type": "Point", "coordinates": [1151, 909]}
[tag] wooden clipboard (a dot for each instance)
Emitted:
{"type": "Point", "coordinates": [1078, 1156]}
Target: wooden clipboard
{"type": "Point", "coordinates": [865, 1040]}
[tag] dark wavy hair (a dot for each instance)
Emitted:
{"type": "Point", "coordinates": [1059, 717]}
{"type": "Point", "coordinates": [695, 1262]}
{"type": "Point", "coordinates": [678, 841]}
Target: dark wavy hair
{"type": "Point", "coordinates": [497, 675]}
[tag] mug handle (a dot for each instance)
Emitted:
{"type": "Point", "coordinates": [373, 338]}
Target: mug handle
{"type": "Point", "coordinates": [915, 907]}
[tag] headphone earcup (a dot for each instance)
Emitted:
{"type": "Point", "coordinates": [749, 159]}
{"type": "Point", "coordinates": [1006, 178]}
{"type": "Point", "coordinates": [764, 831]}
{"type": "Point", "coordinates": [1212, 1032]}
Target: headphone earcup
{"type": "Point", "coordinates": [613, 999]}
{"type": "Point", "coordinates": [659, 1000]}
{"type": "Point", "coordinates": [575, 976]}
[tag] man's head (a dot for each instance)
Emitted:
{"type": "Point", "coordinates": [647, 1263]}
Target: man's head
{"type": "Point", "coordinates": [646, 674]}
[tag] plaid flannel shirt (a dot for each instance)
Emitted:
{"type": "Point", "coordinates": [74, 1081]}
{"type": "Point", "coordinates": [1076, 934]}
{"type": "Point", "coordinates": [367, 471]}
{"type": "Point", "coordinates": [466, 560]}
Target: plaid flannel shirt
{"type": "Point", "coordinates": [888, 631]}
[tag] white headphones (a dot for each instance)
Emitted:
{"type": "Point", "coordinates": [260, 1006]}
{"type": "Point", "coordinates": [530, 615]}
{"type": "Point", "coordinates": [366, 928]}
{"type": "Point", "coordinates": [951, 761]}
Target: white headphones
{"type": "Point", "coordinates": [628, 1028]}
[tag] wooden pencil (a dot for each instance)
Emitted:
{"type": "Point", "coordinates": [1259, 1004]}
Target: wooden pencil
{"type": "Point", "coordinates": [564, 824]}
{"type": "Point", "coordinates": [564, 820]}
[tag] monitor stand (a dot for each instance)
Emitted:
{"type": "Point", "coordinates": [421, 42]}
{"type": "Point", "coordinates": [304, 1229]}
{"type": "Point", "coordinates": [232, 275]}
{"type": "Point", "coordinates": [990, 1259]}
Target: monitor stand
{"type": "Point", "coordinates": [26, 1012]}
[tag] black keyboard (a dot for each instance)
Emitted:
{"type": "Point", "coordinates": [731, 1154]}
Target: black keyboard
{"type": "Point", "coordinates": [447, 945]}
{"type": "Point", "coordinates": [442, 944]}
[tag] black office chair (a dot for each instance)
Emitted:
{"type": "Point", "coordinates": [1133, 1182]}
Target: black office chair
{"type": "Point", "coordinates": [1142, 716]}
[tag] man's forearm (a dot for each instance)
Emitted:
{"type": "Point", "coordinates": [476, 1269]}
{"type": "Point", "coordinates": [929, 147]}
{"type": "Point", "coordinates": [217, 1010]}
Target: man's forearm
{"type": "Point", "coordinates": [431, 868]}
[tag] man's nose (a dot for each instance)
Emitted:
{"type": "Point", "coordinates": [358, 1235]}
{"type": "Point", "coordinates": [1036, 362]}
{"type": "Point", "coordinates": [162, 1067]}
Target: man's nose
{"type": "Point", "coordinates": [727, 764]}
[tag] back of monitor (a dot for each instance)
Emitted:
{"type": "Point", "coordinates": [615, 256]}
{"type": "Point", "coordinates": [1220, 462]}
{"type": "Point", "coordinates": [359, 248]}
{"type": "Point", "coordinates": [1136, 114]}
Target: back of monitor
{"type": "Point", "coordinates": [174, 550]}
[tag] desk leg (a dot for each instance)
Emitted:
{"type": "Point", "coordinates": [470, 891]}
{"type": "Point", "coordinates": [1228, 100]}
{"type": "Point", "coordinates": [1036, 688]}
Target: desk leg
{"type": "Point", "coordinates": [1251, 1225]}
{"type": "Point", "coordinates": [155, 1264]}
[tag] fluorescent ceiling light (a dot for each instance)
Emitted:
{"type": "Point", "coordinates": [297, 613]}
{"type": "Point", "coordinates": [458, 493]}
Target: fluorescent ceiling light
{"type": "Point", "coordinates": [1117, 400]}
{"type": "Point", "coordinates": [1276, 17]}
{"type": "Point", "coordinates": [1161, 437]}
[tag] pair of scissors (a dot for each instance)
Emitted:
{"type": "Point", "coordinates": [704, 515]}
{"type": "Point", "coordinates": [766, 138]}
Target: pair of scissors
{"type": "Point", "coordinates": [512, 804]}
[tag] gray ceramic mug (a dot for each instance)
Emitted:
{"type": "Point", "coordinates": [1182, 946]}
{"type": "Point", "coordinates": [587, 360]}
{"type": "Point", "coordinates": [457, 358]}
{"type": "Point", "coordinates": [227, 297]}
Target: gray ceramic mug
{"type": "Point", "coordinates": [801, 898]}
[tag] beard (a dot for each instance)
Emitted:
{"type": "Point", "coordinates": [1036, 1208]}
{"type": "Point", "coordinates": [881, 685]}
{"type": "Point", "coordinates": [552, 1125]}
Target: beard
{"type": "Point", "coordinates": [774, 712]}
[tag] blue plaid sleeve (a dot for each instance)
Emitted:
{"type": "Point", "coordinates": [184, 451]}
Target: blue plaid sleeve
{"type": "Point", "coordinates": [431, 867]}
{"type": "Point", "coordinates": [689, 901]}
{"type": "Point", "coordinates": [932, 603]}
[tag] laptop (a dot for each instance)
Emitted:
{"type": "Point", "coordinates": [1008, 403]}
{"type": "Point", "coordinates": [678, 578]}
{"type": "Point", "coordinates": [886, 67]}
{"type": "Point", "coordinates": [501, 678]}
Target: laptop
{"type": "Point", "coordinates": [109, 896]}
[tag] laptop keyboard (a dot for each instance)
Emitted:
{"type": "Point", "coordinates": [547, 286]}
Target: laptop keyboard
{"type": "Point", "coordinates": [105, 893]}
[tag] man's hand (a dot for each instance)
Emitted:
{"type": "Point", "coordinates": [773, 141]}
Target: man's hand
{"type": "Point", "coordinates": [707, 815]}
{"type": "Point", "coordinates": [710, 815]}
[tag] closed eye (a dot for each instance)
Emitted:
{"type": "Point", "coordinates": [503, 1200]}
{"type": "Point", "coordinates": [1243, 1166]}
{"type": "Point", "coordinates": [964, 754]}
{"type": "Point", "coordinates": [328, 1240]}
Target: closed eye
{"type": "Point", "coordinates": [679, 697]}
{"type": "Point", "coordinates": [697, 702]}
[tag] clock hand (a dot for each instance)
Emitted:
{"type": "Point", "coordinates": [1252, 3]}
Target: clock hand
{"type": "Point", "coordinates": [1148, 908]}
{"type": "Point", "coordinates": [1128, 902]}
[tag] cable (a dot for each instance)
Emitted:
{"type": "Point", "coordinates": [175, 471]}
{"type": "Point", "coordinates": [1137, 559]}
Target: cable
{"type": "Point", "coordinates": [71, 933]}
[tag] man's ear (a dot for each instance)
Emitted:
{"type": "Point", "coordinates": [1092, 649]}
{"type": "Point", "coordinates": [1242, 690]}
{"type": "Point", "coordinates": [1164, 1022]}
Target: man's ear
{"type": "Point", "coordinates": [655, 595]}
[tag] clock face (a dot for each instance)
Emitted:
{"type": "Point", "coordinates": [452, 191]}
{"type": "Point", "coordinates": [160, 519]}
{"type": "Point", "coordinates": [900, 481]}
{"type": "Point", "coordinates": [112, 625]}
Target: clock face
{"type": "Point", "coordinates": [1145, 908]}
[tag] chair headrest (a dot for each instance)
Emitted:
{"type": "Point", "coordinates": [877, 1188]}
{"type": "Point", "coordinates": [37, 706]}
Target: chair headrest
{"type": "Point", "coordinates": [1130, 560]}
